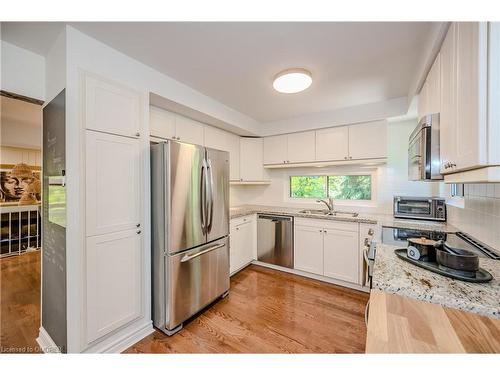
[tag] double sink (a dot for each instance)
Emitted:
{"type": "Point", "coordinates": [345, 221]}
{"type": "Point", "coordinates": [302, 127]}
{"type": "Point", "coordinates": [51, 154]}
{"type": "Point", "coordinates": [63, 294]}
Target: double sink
{"type": "Point", "coordinates": [330, 213]}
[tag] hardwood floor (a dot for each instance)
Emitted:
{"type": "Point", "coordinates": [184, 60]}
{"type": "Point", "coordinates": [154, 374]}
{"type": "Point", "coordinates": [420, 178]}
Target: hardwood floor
{"type": "Point", "coordinates": [268, 311]}
{"type": "Point", "coordinates": [20, 303]}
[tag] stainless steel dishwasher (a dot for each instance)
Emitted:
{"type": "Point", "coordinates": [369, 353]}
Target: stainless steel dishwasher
{"type": "Point", "coordinates": [275, 239]}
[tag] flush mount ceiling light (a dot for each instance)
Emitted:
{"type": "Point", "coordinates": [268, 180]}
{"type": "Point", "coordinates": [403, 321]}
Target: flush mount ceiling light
{"type": "Point", "coordinates": [291, 81]}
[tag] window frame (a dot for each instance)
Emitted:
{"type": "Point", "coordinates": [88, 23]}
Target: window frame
{"type": "Point", "coordinates": [341, 202]}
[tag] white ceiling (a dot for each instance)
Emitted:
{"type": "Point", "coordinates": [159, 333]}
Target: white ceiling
{"type": "Point", "coordinates": [352, 63]}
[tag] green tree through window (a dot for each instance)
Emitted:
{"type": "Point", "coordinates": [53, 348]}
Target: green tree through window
{"type": "Point", "coordinates": [343, 187]}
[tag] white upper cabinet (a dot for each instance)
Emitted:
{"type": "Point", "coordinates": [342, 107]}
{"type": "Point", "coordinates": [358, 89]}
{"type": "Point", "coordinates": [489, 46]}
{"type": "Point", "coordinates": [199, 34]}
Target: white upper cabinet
{"type": "Point", "coordinates": [464, 85]}
{"type": "Point", "coordinates": [216, 138]}
{"type": "Point", "coordinates": [189, 131]}
{"type": "Point", "coordinates": [251, 153]}
{"type": "Point", "coordinates": [429, 99]}
{"type": "Point", "coordinates": [234, 156]}
{"type": "Point", "coordinates": [471, 124]}
{"type": "Point", "coordinates": [276, 149]}
{"type": "Point", "coordinates": [332, 143]}
{"type": "Point", "coordinates": [301, 147]}
{"type": "Point", "coordinates": [113, 183]}
{"type": "Point", "coordinates": [447, 139]}
{"type": "Point", "coordinates": [168, 125]}
{"type": "Point", "coordinates": [161, 123]}
{"type": "Point", "coordinates": [433, 83]}
{"type": "Point", "coordinates": [368, 140]}
{"type": "Point", "coordinates": [112, 108]}
{"type": "Point", "coordinates": [352, 142]}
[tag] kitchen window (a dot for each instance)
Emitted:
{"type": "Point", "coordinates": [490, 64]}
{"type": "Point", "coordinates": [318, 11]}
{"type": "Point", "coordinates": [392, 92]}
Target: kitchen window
{"type": "Point", "coordinates": [338, 187]}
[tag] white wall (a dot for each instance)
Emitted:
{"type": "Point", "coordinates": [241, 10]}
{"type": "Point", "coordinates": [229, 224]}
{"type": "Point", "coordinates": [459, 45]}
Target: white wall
{"type": "Point", "coordinates": [391, 178]}
{"type": "Point", "coordinates": [23, 72]}
{"type": "Point", "coordinates": [480, 216]}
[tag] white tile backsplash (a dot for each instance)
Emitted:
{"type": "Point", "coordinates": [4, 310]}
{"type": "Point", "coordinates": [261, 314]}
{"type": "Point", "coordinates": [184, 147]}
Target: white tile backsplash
{"type": "Point", "coordinates": [481, 215]}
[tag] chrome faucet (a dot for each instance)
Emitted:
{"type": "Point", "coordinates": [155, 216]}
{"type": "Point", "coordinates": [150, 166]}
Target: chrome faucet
{"type": "Point", "coordinates": [329, 204]}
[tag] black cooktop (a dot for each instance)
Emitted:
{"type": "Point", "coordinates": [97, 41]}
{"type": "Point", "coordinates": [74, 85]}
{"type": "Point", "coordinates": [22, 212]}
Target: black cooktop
{"type": "Point", "coordinates": [399, 236]}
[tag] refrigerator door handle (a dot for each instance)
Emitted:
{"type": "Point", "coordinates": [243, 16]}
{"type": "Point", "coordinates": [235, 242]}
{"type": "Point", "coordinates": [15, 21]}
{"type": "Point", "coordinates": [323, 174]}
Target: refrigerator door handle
{"type": "Point", "coordinates": [203, 193]}
{"type": "Point", "coordinates": [211, 203]}
{"type": "Point", "coordinates": [187, 258]}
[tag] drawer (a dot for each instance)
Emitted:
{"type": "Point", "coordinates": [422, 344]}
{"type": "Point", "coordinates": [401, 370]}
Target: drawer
{"type": "Point", "coordinates": [328, 224]}
{"type": "Point", "coordinates": [242, 220]}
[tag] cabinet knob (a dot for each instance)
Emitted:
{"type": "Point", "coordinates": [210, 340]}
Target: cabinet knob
{"type": "Point", "coordinates": [345, 157]}
{"type": "Point", "coordinates": [350, 157]}
{"type": "Point", "coordinates": [237, 228]}
{"type": "Point", "coordinates": [370, 232]}
{"type": "Point", "coordinates": [138, 232]}
{"type": "Point", "coordinates": [138, 225]}
{"type": "Point", "coordinates": [137, 134]}
{"type": "Point", "coordinates": [325, 231]}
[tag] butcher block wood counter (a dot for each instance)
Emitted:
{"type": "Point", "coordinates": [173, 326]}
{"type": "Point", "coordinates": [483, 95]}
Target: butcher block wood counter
{"type": "Point", "coordinates": [403, 325]}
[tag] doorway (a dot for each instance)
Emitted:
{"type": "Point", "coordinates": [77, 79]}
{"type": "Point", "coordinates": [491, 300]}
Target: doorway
{"type": "Point", "coordinates": [21, 222]}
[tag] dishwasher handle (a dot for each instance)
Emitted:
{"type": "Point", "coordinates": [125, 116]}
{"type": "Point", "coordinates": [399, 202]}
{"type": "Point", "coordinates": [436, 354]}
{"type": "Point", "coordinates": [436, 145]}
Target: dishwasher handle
{"type": "Point", "coordinates": [275, 218]}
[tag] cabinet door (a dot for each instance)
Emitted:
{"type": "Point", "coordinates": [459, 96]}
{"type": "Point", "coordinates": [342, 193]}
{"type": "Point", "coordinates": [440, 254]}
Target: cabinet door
{"type": "Point", "coordinates": [308, 249]}
{"type": "Point", "coordinates": [251, 159]}
{"type": "Point", "coordinates": [341, 256]}
{"type": "Point", "coordinates": [234, 156]}
{"type": "Point", "coordinates": [447, 123]}
{"type": "Point", "coordinates": [112, 108]}
{"type": "Point", "coordinates": [114, 266]}
{"type": "Point", "coordinates": [471, 95]}
{"type": "Point", "coordinates": [216, 138]}
{"type": "Point", "coordinates": [189, 131]}
{"type": "Point", "coordinates": [275, 149]}
{"type": "Point", "coordinates": [422, 100]}
{"type": "Point", "coordinates": [161, 123]}
{"type": "Point", "coordinates": [332, 144]}
{"type": "Point", "coordinates": [368, 140]}
{"type": "Point", "coordinates": [434, 87]}
{"type": "Point", "coordinates": [113, 193]}
{"type": "Point", "coordinates": [301, 147]}
{"type": "Point", "coordinates": [235, 254]}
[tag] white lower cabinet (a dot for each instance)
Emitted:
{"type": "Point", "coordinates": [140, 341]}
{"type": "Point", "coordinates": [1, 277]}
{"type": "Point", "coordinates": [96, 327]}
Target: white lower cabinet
{"type": "Point", "coordinates": [327, 248]}
{"type": "Point", "coordinates": [114, 281]}
{"type": "Point", "coordinates": [308, 249]}
{"type": "Point", "coordinates": [242, 244]}
{"type": "Point", "coordinates": [340, 255]}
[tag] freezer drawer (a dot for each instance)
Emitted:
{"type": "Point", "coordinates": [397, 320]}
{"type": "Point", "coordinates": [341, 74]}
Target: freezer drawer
{"type": "Point", "coordinates": [194, 279]}
{"type": "Point", "coordinates": [275, 240]}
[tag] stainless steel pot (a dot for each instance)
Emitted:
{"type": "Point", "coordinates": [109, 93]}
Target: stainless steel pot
{"type": "Point", "coordinates": [421, 249]}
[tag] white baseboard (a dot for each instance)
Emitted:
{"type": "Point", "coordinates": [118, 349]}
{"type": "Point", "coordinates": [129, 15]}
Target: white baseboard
{"type": "Point", "coordinates": [313, 276]}
{"type": "Point", "coordinates": [122, 340]}
{"type": "Point", "coordinates": [46, 343]}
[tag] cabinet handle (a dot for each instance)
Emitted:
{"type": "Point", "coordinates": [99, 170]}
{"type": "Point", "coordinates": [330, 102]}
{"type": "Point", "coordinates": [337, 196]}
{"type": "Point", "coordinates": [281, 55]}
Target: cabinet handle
{"type": "Point", "coordinates": [138, 232]}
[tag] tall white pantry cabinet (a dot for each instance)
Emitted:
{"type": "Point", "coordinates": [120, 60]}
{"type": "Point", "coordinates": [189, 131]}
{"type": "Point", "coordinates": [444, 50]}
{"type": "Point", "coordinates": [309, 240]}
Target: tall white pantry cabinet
{"type": "Point", "coordinates": [114, 255]}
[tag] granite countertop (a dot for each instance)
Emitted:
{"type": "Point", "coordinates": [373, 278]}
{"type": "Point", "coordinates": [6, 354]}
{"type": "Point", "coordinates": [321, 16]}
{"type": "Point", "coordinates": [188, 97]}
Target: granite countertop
{"type": "Point", "coordinates": [367, 218]}
{"type": "Point", "coordinates": [395, 276]}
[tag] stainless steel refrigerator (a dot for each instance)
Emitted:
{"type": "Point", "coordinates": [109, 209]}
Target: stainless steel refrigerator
{"type": "Point", "coordinates": [190, 228]}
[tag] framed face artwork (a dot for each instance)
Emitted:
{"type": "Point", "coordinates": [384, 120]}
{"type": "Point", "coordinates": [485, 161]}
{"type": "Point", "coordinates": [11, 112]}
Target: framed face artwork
{"type": "Point", "coordinates": [20, 184]}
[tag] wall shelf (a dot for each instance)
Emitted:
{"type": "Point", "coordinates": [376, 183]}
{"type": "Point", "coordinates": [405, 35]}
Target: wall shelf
{"type": "Point", "coordinates": [367, 162]}
{"type": "Point", "coordinates": [238, 182]}
{"type": "Point", "coordinates": [480, 175]}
